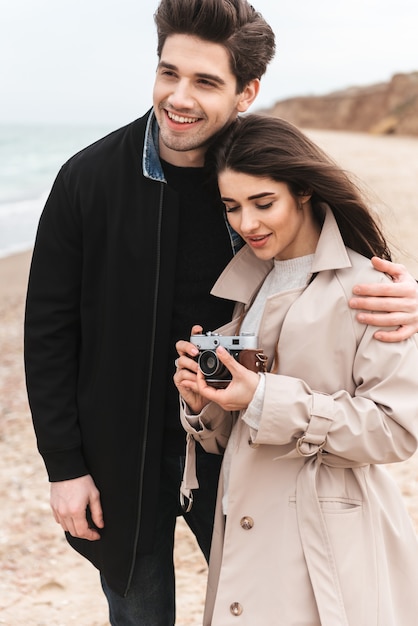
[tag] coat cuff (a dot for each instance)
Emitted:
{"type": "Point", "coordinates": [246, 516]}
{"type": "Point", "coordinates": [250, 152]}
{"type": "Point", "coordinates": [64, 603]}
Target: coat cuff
{"type": "Point", "coordinates": [211, 427]}
{"type": "Point", "coordinates": [64, 464]}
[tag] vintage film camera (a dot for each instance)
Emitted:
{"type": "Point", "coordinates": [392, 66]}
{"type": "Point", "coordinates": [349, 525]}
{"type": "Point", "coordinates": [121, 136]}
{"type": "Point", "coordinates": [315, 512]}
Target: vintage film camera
{"type": "Point", "coordinates": [244, 349]}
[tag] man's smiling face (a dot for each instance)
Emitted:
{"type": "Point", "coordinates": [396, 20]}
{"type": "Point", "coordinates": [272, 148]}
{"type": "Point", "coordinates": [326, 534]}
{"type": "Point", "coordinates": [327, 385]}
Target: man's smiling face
{"type": "Point", "coordinates": [195, 97]}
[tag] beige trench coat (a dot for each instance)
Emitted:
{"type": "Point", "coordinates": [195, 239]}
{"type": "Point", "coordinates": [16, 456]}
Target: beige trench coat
{"type": "Point", "coordinates": [317, 532]}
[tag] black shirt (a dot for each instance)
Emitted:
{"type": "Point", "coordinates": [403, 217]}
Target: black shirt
{"type": "Point", "coordinates": [204, 249]}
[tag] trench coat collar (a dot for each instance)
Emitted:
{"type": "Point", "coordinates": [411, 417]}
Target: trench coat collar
{"type": "Point", "coordinates": [330, 254]}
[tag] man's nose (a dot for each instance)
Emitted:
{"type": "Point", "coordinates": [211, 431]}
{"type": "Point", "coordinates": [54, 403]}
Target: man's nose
{"type": "Point", "coordinates": [181, 96]}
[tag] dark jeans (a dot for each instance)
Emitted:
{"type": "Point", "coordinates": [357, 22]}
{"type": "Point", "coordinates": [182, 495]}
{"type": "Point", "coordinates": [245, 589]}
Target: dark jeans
{"type": "Point", "coordinates": [151, 597]}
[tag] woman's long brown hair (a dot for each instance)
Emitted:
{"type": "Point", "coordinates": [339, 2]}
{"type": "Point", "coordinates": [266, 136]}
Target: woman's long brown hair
{"type": "Point", "coordinates": [272, 147]}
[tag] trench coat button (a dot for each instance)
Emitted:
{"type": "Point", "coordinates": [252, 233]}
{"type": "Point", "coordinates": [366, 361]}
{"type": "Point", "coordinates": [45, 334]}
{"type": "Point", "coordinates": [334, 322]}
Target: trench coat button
{"type": "Point", "coordinates": [247, 522]}
{"type": "Point", "coordinates": [236, 609]}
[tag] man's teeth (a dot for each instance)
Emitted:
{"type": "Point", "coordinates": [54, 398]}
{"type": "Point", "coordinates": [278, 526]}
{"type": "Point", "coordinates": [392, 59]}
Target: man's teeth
{"type": "Point", "coordinates": [180, 119]}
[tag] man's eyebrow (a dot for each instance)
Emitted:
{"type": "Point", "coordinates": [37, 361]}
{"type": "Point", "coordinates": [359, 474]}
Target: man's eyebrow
{"type": "Point", "coordinates": [213, 77]}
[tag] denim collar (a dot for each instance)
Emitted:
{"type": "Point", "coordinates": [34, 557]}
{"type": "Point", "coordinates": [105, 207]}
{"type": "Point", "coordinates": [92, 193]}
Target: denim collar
{"type": "Point", "coordinates": [151, 168]}
{"type": "Point", "coordinates": [151, 165]}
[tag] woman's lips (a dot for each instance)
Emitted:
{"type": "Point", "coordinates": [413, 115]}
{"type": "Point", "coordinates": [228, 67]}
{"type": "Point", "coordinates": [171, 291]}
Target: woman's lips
{"type": "Point", "coordinates": [257, 242]}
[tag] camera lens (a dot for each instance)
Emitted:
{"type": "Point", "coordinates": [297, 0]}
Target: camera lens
{"type": "Point", "coordinates": [210, 365]}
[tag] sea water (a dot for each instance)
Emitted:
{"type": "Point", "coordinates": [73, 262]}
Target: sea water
{"type": "Point", "coordinates": [30, 157]}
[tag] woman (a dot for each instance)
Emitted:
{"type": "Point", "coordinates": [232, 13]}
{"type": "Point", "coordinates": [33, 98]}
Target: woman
{"type": "Point", "coordinates": [310, 529]}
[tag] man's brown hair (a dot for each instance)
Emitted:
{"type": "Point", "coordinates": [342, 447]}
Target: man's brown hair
{"type": "Point", "coordinates": [234, 24]}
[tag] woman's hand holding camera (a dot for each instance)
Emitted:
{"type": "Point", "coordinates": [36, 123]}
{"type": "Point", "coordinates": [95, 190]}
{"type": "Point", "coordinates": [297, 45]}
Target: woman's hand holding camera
{"type": "Point", "coordinates": [240, 391]}
{"type": "Point", "coordinates": [185, 377]}
{"type": "Point", "coordinates": [197, 393]}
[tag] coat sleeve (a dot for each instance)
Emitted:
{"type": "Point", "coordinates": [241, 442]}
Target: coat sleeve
{"type": "Point", "coordinates": [52, 335]}
{"type": "Point", "coordinates": [211, 428]}
{"type": "Point", "coordinates": [378, 423]}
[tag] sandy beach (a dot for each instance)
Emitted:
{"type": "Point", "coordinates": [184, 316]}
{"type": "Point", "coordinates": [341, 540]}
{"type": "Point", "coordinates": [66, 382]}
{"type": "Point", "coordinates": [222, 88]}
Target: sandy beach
{"type": "Point", "coordinates": [42, 581]}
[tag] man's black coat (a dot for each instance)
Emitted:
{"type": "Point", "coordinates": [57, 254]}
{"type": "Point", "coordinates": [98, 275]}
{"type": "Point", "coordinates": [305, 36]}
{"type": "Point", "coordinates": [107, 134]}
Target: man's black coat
{"type": "Point", "coordinates": [96, 334]}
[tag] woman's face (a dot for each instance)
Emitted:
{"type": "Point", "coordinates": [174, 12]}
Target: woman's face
{"type": "Point", "coordinates": [274, 223]}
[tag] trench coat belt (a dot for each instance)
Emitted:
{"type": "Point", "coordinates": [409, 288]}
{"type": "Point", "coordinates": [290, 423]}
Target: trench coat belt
{"type": "Point", "coordinates": [189, 480]}
{"type": "Point", "coordinates": [315, 540]}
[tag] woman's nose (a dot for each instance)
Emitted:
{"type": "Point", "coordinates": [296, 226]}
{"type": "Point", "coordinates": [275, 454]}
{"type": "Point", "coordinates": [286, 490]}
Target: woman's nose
{"type": "Point", "coordinates": [249, 222]}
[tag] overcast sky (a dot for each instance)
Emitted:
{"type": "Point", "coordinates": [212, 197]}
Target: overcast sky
{"type": "Point", "coordinates": [87, 61]}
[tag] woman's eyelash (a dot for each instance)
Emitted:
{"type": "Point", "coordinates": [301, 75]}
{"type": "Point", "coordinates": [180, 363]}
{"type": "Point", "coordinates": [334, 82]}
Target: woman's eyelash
{"type": "Point", "coordinates": [261, 207]}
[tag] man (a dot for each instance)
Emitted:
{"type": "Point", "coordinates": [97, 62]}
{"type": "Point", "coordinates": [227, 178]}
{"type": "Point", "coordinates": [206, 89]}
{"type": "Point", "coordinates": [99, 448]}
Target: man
{"type": "Point", "coordinates": [130, 242]}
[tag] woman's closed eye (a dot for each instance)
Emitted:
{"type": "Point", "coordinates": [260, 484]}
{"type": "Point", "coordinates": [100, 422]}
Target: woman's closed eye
{"type": "Point", "coordinates": [231, 209]}
{"type": "Point", "coordinates": [260, 207]}
{"type": "Point", "coordinates": [264, 206]}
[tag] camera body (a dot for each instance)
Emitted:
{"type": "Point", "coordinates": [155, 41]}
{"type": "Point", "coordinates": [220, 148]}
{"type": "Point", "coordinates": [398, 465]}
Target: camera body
{"type": "Point", "coordinates": [244, 349]}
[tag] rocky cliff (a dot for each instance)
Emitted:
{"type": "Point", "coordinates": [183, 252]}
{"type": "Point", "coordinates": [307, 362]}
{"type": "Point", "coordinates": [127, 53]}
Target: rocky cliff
{"type": "Point", "coordinates": [382, 108]}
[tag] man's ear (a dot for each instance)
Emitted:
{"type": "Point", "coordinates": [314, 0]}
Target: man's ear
{"type": "Point", "coordinates": [248, 95]}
